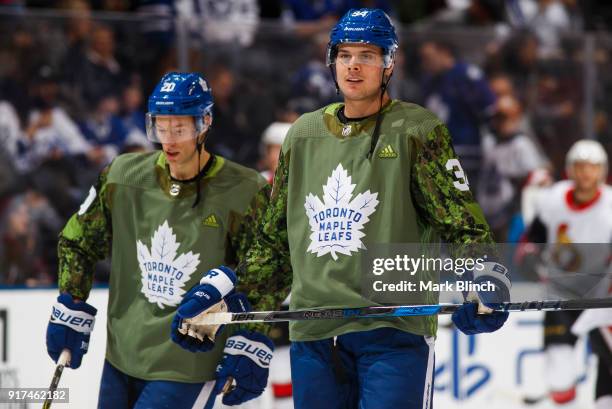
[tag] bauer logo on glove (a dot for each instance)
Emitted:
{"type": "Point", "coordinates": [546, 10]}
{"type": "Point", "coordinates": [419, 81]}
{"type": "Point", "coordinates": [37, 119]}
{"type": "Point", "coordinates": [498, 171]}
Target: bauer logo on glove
{"type": "Point", "coordinates": [239, 345]}
{"type": "Point", "coordinates": [77, 320]}
{"type": "Point", "coordinates": [70, 328]}
{"type": "Point", "coordinates": [246, 361]}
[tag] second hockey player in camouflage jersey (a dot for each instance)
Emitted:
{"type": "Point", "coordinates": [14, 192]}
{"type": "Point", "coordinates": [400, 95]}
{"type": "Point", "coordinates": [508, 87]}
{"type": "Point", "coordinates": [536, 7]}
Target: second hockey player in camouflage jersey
{"type": "Point", "coordinates": [165, 217]}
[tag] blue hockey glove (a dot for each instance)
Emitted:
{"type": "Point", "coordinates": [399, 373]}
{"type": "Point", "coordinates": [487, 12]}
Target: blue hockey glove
{"type": "Point", "coordinates": [201, 338]}
{"type": "Point", "coordinates": [478, 317]}
{"type": "Point", "coordinates": [494, 280]}
{"type": "Point", "coordinates": [213, 287]}
{"type": "Point", "coordinates": [246, 361]}
{"type": "Point", "coordinates": [70, 326]}
{"type": "Point", "coordinates": [467, 319]}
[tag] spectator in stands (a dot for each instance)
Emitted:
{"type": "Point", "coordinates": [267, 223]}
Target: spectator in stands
{"type": "Point", "coordinates": [312, 86]}
{"type": "Point", "coordinates": [50, 132]}
{"type": "Point", "coordinates": [99, 73]}
{"type": "Point", "coordinates": [509, 156]}
{"type": "Point", "coordinates": [517, 57]}
{"type": "Point", "coordinates": [78, 29]}
{"type": "Point", "coordinates": [555, 113]}
{"type": "Point", "coordinates": [232, 135]}
{"type": "Point", "coordinates": [10, 131]}
{"type": "Point", "coordinates": [105, 132]}
{"type": "Point", "coordinates": [52, 146]}
{"type": "Point", "coordinates": [461, 97]}
{"type": "Point", "coordinates": [28, 225]}
{"type": "Point", "coordinates": [462, 14]}
{"type": "Point", "coordinates": [10, 128]}
{"type": "Point", "coordinates": [548, 20]}
{"type": "Point", "coordinates": [501, 84]}
{"type": "Point", "coordinates": [131, 108]}
{"type": "Point", "coordinates": [132, 117]}
{"type": "Point", "coordinates": [18, 62]}
{"type": "Point", "coordinates": [311, 17]}
{"type": "Point", "coordinates": [226, 22]}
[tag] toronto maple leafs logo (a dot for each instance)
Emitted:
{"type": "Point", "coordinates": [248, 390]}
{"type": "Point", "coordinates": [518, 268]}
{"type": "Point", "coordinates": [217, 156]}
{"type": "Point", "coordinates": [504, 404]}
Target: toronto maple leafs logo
{"type": "Point", "coordinates": [163, 274]}
{"type": "Point", "coordinates": [336, 222]}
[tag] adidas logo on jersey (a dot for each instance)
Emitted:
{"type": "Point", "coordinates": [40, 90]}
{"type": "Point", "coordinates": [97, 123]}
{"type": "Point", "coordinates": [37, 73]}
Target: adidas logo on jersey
{"type": "Point", "coordinates": [211, 221]}
{"type": "Point", "coordinates": [387, 153]}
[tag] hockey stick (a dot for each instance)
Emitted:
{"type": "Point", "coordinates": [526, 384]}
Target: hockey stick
{"type": "Point", "coordinates": [62, 361]}
{"type": "Point", "coordinates": [386, 311]}
{"type": "Point", "coordinates": [227, 388]}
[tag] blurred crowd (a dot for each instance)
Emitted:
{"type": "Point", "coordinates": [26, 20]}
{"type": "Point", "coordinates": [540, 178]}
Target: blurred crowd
{"type": "Point", "coordinates": [517, 82]}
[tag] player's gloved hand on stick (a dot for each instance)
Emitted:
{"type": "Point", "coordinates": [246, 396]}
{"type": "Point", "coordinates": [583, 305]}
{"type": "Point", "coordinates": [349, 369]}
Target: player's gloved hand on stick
{"type": "Point", "coordinates": [246, 361]}
{"type": "Point", "coordinates": [213, 288]}
{"type": "Point", "coordinates": [467, 319]}
{"type": "Point", "coordinates": [201, 338]}
{"type": "Point", "coordinates": [479, 317]}
{"type": "Point", "coordinates": [492, 275]}
{"type": "Point", "coordinates": [70, 327]}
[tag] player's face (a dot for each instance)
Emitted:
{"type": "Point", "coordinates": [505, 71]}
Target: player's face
{"type": "Point", "coordinates": [359, 70]}
{"type": "Point", "coordinates": [174, 128]}
{"type": "Point", "coordinates": [177, 135]}
{"type": "Point", "coordinates": [430, 58]}
{"type": "Point", "coordinates": [587, 175]}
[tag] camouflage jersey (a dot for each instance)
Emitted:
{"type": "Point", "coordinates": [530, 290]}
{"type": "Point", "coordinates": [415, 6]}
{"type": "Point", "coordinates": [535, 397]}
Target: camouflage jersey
{"type": "Point", "coordinates": [330, 201]}
{"type": "Point", "coordinates": [160, 246]}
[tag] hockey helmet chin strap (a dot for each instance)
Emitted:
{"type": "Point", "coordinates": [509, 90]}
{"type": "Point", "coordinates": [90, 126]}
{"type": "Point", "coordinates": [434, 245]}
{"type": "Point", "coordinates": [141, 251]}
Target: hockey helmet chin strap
{"type": "Point", "coordinates": [379, 115]}
{"type": "Point", "coordinates": [201, 172]}
{"type": "Point", "coordinates": [199, 144]}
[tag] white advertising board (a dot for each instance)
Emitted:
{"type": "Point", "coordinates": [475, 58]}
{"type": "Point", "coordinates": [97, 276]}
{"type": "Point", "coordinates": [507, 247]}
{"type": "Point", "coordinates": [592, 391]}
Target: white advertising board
{"type": "Point", "coordinates": [495, 371]}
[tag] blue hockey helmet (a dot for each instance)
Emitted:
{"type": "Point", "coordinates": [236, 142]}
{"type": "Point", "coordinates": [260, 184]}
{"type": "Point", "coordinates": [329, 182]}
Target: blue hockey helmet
{"type": "Point", "coordinates": [367, 26]}
{"type": "Point", "coordinates": [179, 94]}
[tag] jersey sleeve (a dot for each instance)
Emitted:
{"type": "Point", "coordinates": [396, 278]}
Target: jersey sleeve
{"type": "Point", "coordinates": [85, 239]}
{"type": "Point", "coordinates": [265, 271]}
{"type": "Point", "coordinates": [246, 231]}
{"type": "Point", "coordinates": [441, 192]}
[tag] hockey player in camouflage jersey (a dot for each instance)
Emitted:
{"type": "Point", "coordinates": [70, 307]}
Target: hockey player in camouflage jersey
{"type": "Point", "coordinates": [164, 217]}
{"type": "Point", "coordinates": [371, 170]}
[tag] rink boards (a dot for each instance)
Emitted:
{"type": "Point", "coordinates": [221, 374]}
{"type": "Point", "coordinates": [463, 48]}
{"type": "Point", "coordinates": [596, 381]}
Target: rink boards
{"type": "Point", "coordinates": [496, 370]}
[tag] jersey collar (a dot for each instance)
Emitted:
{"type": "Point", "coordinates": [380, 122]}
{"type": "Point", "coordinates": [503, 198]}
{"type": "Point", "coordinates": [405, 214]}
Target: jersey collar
{"type": "Point", "coordinates": [352, 127]}
{"type": "Point", "coordinates": [573, 205]}
{"type": "Point", "coordinates": [180, 189]}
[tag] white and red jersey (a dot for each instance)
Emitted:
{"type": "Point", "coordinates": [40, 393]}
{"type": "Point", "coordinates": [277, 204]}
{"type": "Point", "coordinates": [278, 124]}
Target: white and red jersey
{"type": "Point", "coordinates": [569, 222]}
{"type": "Point", "coordinates": [577, 259]}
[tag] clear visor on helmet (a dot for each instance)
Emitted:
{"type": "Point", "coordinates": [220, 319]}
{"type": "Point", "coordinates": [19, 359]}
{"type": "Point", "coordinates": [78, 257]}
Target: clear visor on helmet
{"type": "Point", "coordinates": [173, 128]}
{"type": "Point", "coordinates": [348, 56]}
